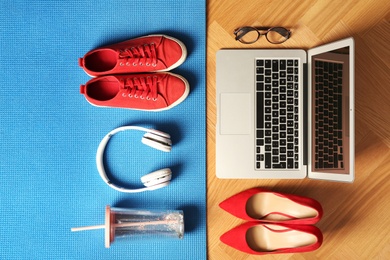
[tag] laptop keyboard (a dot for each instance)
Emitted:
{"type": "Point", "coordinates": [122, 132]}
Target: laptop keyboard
{"type": "Point", "coordinates": [328, 135]}
{"type": "Point", "coordinates": [277, 138]}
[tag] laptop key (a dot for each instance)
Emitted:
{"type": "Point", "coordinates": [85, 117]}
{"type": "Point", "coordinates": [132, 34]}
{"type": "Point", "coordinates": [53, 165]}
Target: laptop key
{"type": "Point", "coordinates": [267, 160]}
{"type": "Point", "coordinates": [260, 78]}
{"type": "Point", "coordinates": [260, 109]}
{"type": "Point", "coordinates": [290, 163]}
{"type": "Point", "coordinates": [281, 165]}
{"type": "Point", "coordinates": [282, 64]}
{"type": "Point", "coordinates": [275, 65]}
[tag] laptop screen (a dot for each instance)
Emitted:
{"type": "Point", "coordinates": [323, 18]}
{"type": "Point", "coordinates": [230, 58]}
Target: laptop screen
{"type": "Point", "coordinates": [330, 134]}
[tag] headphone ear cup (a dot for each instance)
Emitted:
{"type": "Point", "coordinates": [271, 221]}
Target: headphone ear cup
{"type": "Point", "coordinates": [157, 179]}
{"type": "Point", "coordinates": [157, 132]}
{"type": "Point", "coordinates": [158, 142]}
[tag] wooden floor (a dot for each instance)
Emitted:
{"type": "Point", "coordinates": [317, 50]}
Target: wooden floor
{"type": "Point", "coordinates": [356, 222]}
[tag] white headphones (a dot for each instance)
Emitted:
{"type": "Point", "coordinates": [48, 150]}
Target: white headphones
{"type": "Point", "coordinates": [152, 181]}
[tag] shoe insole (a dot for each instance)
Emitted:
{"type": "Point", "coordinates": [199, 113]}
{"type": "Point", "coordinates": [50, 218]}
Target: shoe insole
{"type": "Point", "coordinates": [103, 90]}
{"type": "Point", "coordinates": [260, 205]}
{"type": "Point", "coordinates": [101, 61]}
{"type": "Point", "coordinates": [262, 239]}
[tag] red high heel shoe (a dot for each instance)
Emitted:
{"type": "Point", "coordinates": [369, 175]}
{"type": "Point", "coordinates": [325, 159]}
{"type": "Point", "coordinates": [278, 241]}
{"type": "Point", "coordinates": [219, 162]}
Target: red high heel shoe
{"type": "Point", "coordinates": [266, 238]}
{"type": "Point", "coordinates": [258, 204]}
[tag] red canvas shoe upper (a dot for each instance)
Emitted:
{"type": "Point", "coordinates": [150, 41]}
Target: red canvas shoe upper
{"type": "Point", "coordinates": [152, 92]}
{"type": "Point", "coordinates": [145, 54]}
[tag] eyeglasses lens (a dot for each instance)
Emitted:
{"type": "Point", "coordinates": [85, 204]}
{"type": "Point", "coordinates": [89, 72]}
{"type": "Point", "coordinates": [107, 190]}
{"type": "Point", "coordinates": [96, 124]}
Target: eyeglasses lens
{"type": "Point", "coordinates": [277, 35]}
{"type": "Point", "coordinates": [248, 36]}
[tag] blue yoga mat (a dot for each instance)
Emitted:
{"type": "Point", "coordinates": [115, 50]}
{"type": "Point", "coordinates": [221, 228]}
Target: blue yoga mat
{"type": "Point", "coordinates": [49, 132]}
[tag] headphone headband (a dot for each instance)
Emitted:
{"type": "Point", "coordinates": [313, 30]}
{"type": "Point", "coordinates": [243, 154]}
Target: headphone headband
{"type": "Point", "coordinates": [154, 138]}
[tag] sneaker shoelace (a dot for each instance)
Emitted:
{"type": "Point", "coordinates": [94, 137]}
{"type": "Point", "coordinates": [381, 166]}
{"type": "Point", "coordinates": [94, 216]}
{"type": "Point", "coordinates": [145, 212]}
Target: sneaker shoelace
{"type": "Point", "coordinates": [140, 55]}
{"type": "Point", "coordinates": [141, 87]}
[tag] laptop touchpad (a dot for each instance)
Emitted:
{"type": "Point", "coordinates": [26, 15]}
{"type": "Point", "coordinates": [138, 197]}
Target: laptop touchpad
{"type": "Point", "coordinates": [235, 113]}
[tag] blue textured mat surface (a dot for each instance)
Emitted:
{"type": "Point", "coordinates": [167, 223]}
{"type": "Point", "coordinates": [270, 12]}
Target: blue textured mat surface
{"type": "Point", "coordinates": [49, 132]}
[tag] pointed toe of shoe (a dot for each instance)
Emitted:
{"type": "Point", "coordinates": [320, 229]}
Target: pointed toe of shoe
{"type": "Point", "coordinates": [236, 204]}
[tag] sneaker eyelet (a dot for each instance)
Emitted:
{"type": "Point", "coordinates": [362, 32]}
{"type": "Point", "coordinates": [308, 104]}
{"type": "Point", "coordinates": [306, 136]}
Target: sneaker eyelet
{"type": "Point", "coordinates": [134, 64]}
{"type": "Point", "coordinates": [141, 64]}
{"type": "Point", "coordinates": [121, 64]}
{"type": "Point", "coordinates": [130, 96]}
{"type": "Point", "coordinates": [135, 96]}
{"type": "Point", "coordinates": [154, 99]}
{"type": "Point", "coordinates": [148, 98]}
{"type": "Point", "coordinates": [141, 97]}
{"type": "Point", "coordinates": [147, 64]}
{"type": "Point", "coordinates": [123, 94]}
{"type": "Point", "coordinates": [154, 64]}
{"type": "Point", "coordinates": [127, 63]}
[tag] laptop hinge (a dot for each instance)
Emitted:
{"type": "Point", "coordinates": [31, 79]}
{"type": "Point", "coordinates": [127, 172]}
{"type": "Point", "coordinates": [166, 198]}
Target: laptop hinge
{"type": "Point", "coordinates": [305, 114]}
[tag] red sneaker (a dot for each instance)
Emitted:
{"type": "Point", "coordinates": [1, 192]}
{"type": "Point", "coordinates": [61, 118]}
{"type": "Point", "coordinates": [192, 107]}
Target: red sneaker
{"type": "Point", "coordinates": [151, 92]}
{"type": "Point", "coordinates": [145, 54]}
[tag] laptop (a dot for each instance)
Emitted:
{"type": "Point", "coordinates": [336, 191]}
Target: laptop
{"type": "Point", "coordinates": [286, 113]}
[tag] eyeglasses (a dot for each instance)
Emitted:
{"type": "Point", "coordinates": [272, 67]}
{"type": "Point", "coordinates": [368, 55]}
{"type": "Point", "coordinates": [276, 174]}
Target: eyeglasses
{"type": "Point", "coordinates": [250, 35]}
